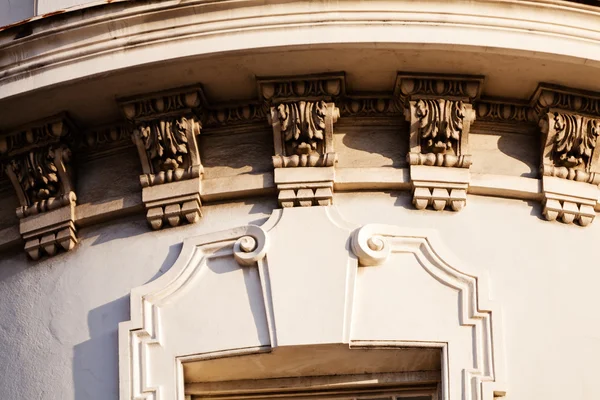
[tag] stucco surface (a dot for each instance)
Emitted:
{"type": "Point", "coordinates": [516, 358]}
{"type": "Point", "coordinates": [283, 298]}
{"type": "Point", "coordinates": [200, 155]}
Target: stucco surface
{"type": "Point", "coordinates": [58, 317]}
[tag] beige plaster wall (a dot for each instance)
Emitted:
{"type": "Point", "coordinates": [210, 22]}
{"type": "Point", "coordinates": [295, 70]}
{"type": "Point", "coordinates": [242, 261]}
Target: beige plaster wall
{"type": "Point", "coordinates": [59, 316]}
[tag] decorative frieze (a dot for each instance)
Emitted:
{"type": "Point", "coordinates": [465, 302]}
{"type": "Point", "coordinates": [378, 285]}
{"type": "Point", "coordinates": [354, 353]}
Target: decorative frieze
{"type": "Point", "coordinates": [166, 126]}
{"type": "Point", "coordinates": [37, 162]}
{"type": "Point", "coordinates": [323, 87]}
{"type": "Point", "coordinates": [440, 113]}
{"type": "Point", "coordinates": [549, 96]}
{"type": "Point", "coordinates": [100, 140]}
{"type": "Point", "coordinates": [371, 106]}
{"type": "Point", "coordinates": [235, 115]}
{"type": "Point", "coordinates": [570, 125]}
{"type": "Point", "coordinates": [501, 110]}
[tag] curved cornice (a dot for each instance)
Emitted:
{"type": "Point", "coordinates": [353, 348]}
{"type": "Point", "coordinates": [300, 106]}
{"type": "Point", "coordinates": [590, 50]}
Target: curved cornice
{"type": "Point", "coordinates": [102, 39]}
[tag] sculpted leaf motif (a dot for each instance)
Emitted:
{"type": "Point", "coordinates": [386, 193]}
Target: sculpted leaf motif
{"type": "Point", "coordinates": [441, 123]}
{"type": "Point", "coordinates": [303, 125]}
{"type": "Point", "coordinates": [36, 172]}
{"type": "Point", "coordinates": [165, 141]}
{"type": "Point", "coordinates": [575, 140]}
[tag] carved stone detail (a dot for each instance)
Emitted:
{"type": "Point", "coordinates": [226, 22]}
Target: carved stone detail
{"type": "Point", "coordinates": [570, 126]}
{"type": "Point", "coordinates": [305, 187]}
{"type": "Point", "coordinates": [303, 134]}
{"type": "Point", "coordinates": [326, 87]}
{"type": "Point", "coordinates": [302, 118]}
{"type": "Point", "coordinates": [504, 111]}
{"type": "Point", "coordinates": [169, 149]}
{"type": "Point", "coordinates": [410, 86]}
{"type": "Point", "coordinates": [440, 124]}
{"type": "Point", "coordinates": [234, 115]}
{"type": "Point", "coordinates": [440, 113]}
{"type": "Point", "coordinates": [38, 166]}
{"type": "Point", "coordinates": [569, 201]}
{"type": "Point", "coordinates": [570, 144]}
{"type": "Point", "coordinates": [103, 140]}
{"type": "Point", "coordinates": [166, 126]}
{"type": "Point", "coordinates": [548, 96]}
{"type": "Point", "coordinates": [363, 106]}
{"type": "Point", "coordinates": [42, 178]}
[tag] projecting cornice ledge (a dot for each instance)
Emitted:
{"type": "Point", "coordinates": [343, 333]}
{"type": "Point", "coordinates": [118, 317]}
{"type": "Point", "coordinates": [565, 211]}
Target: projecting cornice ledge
{"type": "Point", "coordinates": [67, 46]}
{"type": "Point", "coordinates": [432, 114]}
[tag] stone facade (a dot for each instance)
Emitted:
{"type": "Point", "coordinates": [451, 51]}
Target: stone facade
{"type": "Point", "coordinates": [240, 200]}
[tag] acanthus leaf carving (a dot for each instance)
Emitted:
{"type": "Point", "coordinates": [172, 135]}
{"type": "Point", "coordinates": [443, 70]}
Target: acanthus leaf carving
{"type": "Point", "coordinates": [303, 126]}
{"type": "Point", "coordinates": [43, 177]}
{"type": "Point", "coordinates": [569, 162]}
{"type": "Point", "coordinates": [575, 139]}
{"type": "Point", "coordinates": [440, 124]}
{"type": "Point", "coordinates": [38, 163]}
{"type": "Point", "coordinates": [302, 115]}
{"type": "Point", "coordinates": [440, 113]}
{"type": "Point", "coordinates": [166, 127]}
{"type": "Point", "coordinates": [166, 143]}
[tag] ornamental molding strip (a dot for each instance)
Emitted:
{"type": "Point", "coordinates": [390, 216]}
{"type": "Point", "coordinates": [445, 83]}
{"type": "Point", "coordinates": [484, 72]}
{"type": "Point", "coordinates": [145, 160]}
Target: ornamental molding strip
{"type": "Point", "coordinates": [250, 271]}
{"type": "Point", "coordinates": [103, 140]}
{"type": "Point", "coordinates": [570, 126]}
{"type": "Point", "coordinates": [36, 160]}
{"type": "Point", "coordinates": [504, 110]}
{"type": "Point", "coordinates": [440, 112]}
{"type": "Point", "coordinates": [302, 117]}
{"type": "Point", "coordinates": [165, 128]}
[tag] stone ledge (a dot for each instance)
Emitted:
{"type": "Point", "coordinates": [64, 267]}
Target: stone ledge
{"type": "Point", "coordinates": [251, 185]}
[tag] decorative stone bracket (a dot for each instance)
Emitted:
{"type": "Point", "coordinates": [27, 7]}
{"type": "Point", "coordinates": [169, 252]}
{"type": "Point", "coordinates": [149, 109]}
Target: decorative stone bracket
{"type": "Point", "coordinates": [302, 120]}
{"type": "Point", "coordinates": [570, 128]}
{"type": "Point", "coordinates": [166, 126]}
{"type": "Point", "coordinates": [38, 166]}
{"type": "Point", "coordinates": [440, 114]}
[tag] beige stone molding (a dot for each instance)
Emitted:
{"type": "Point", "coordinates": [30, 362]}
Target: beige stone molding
{"type": "Point", "coordinates": [166, 126]}
{"type": "Point", "coordinates": [37, 162]}
{"type": "Point", "coordinates": [440, 114]}
{"type": "Point", "coordinates": [570, 126]}
{"type": "Point", "coordinates": [302, 118]}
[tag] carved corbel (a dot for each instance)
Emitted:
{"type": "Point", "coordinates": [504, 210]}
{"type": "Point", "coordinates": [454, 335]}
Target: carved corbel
{"type": "Point", "coordinates": [302, 114]}
{"type": "Point", "coordinates": [440, 112]}
{"type": "Point", "coordinates": [165, 130]}
{"type": "Point", "coordinates": [570, 128]}
{"type": "Point", "coordinates": [37, 162]}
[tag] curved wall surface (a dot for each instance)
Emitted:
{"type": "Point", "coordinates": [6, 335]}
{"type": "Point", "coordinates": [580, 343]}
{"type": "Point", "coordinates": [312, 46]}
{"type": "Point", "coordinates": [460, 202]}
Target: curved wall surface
{"type": "Point", "coordinates": [424, 175]}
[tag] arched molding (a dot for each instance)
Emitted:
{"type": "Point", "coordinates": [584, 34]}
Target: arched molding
{"type": "Point", "coordinates": [144, 328]}
{"type": "Point", "coordinates": [306, 289]}
{"type": "Point", "coordinates": [374, 243]}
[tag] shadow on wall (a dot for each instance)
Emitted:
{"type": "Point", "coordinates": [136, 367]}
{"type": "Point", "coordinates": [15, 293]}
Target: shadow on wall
{"type": "Point", "coordinates": [96, 361]}
{"type": "Point", "coordinates": [522, 148]}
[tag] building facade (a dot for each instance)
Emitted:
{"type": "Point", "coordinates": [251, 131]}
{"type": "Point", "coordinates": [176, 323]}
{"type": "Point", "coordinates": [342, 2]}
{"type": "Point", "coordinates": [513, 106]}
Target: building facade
{"type": "Point", "coordinates": [299, 199]}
